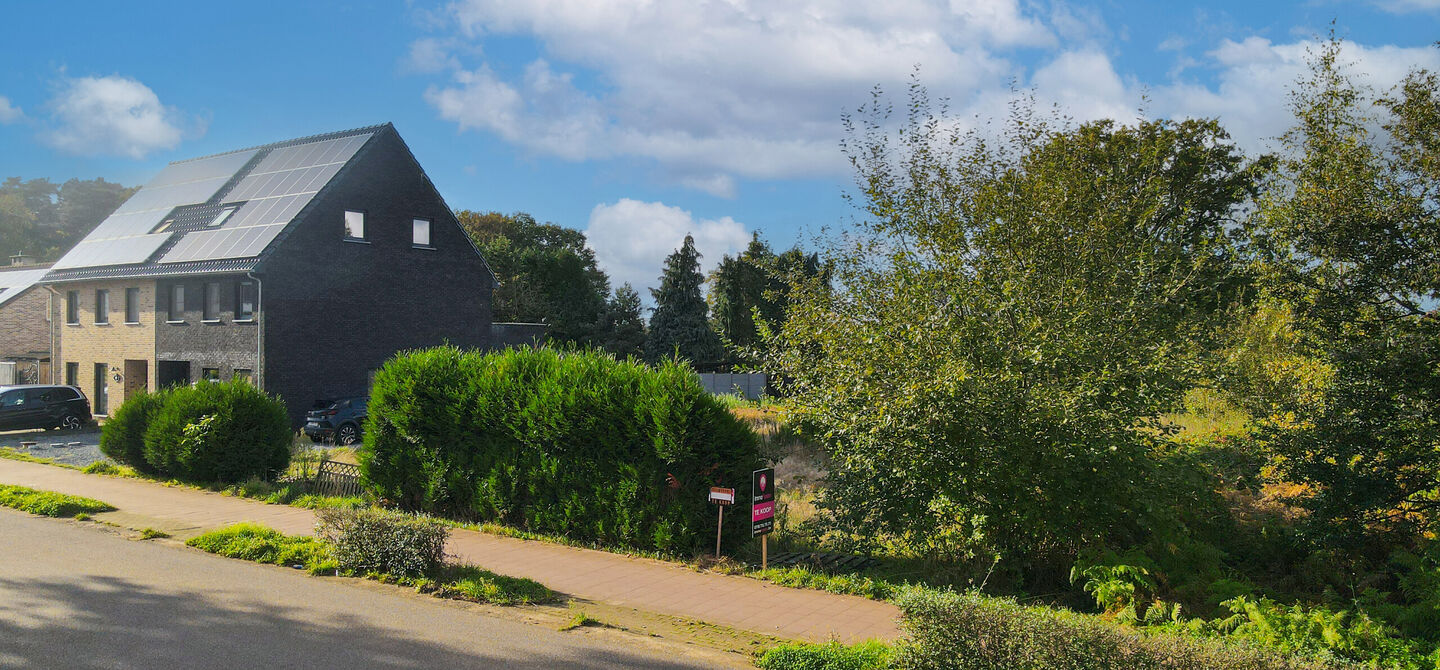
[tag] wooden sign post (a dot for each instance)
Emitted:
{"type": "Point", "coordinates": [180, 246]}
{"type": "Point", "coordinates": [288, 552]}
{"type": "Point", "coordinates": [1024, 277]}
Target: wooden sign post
{"type": "Point", "coordinates": [721, 497]}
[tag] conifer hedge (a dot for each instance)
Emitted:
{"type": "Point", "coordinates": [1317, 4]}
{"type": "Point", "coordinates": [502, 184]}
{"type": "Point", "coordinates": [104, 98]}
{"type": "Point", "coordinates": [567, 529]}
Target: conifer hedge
{"type": "Point", "coordinates": [578, 444]}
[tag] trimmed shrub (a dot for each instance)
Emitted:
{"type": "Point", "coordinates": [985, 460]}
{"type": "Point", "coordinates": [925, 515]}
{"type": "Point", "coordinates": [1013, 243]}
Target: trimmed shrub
{"type": "Point", "coordinates": [380, 541]}
{"type": "Point", "coordinates": [963, 631]}
{"type": "Point", "coordinates": [218, 432]}
{"type": "Point", "coordinates": [122, 437]}
{"type": "Point", "coordinates": [575, 444]}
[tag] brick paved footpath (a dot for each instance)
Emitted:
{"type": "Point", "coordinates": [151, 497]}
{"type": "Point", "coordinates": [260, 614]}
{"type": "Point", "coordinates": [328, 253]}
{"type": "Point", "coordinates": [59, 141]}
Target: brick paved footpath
{"type": "Point", "coordinates": [646, 584]}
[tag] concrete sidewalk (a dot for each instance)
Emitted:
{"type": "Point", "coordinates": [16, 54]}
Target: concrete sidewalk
{"type": "Point", "coordinates": [656, 586]}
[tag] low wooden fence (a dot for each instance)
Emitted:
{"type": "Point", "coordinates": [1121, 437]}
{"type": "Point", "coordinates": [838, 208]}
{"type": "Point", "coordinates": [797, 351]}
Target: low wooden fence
{"type": "Point", "coordinates": [336, 479]}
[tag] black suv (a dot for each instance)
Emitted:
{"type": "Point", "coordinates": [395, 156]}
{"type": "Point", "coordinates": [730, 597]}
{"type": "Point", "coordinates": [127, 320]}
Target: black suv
{"type": "Point", "coordinates": [340, 419]}
{"type": "Point", "coordinates": [43, 406]}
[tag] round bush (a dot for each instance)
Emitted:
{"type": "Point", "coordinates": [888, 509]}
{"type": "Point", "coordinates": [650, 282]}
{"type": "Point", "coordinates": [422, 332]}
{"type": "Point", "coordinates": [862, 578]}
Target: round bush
{"type": "Point", "coordinates": [122, 437]}
{"type": "Point", "coordinates": [577, 444]}
{"type": "Point", "coordinates": [219, 432]}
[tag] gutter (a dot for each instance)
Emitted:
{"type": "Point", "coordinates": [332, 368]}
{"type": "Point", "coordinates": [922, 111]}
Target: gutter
{"type": "Point", "coordinates": [259, 331]}
{"type": "Point", "coordinates": [54, 360]}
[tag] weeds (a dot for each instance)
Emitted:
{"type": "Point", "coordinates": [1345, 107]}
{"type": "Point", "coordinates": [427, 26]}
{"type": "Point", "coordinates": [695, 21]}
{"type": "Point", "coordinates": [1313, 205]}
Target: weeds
{"type": "Point", "coordinates": [581, 620]}
{"type": "Point", "coordinates": [152, 534]}
{"type": "Point", "coordinates": [49, 503]}
{"type": "Point", "coordinates": [108, 468]}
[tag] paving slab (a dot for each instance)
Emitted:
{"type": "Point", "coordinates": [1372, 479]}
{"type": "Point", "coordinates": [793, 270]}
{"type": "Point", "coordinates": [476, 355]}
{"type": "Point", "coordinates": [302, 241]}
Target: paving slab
{"type": "Point", "coordinates": [657, 586]}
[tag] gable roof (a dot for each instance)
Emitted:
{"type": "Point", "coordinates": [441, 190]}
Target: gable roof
{"type": "Point", "coordinates": [15, 282]}
{"type": "Point", "coordinates": [217, 213]}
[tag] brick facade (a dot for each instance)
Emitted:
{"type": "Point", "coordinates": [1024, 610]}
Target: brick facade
{"type": "Point", "coordinates": [337, 309]}
{"type": "Point", "coordinates": [224, 344]}
{"type": "Point", "coordinates": [127, 350]}
{"type": "Point", "coordinates": [25, 327]}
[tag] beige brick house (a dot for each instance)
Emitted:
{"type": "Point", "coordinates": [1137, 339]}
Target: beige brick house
{"type": "Point", "coordinates": [25, 320]}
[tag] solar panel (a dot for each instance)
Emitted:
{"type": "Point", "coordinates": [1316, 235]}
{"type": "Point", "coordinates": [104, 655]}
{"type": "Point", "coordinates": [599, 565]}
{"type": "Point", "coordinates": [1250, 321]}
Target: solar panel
{"type": "Point", "coordinates": [116, 251]}
{"type": "Point", "coordinates": [187, 183]}
{"type": "Point", "coordinates": [205, 245]}
{"type": "Point", "coordinates": [15, 282]}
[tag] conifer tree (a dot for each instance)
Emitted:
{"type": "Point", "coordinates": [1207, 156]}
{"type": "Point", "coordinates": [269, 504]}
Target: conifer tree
{"type": "Point", "coordinates": [624, 327]}
{"type": "Point", "coordinates": [680, 324]}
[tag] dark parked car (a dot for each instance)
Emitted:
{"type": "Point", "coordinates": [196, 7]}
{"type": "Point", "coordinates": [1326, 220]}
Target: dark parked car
{"type": "Point", "coordinates": [43, 406]}
{"type": "Point", "coordinates": [341, 419]}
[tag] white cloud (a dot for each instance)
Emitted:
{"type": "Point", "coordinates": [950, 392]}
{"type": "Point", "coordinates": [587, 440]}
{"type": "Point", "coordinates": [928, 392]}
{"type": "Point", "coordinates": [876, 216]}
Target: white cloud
{"type": "Point", "coordinates": [430, 55]}
{"type": "Point", "coordinates": [1407, 6]}
{"type": "Point", "coordinates": [8, 112]}
{"type": "Point", "coordinates": [1253, 78]}
{"type": "Point", "coordinates": [631, 239]}
{"type": "Point", "coordinates": [715, 91]}
{"type": "Point", "coordinates": [112, 115]}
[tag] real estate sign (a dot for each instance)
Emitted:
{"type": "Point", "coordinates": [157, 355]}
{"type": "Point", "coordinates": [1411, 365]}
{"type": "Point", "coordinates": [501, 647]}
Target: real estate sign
{"type": "Point", "coordinates": [762, 503]}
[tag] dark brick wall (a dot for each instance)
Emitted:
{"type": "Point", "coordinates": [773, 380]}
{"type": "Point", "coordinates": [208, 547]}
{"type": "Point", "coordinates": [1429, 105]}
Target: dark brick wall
{"type": "Point", "coordinates": [337, 310]}
{"type": "Point", "coordinates": [225, 343]}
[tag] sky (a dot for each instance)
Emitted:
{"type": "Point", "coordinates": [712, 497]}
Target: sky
{"type": "Point", "coordinates": [640, 121]}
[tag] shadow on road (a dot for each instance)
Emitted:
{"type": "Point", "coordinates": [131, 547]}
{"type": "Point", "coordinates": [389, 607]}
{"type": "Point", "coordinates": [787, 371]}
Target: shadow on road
{"type": "Point", "coordinates": [94, 622]}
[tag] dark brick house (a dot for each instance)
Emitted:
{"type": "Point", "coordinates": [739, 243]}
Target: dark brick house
{"type": "Point", "coordinates": [301, 265]}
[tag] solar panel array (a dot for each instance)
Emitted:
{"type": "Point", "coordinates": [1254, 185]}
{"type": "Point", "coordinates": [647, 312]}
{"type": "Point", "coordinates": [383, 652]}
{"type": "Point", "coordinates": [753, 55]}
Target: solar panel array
{"type": "Point", "coordinates": [124, 237]}
{"type": "Point", "coordinates": [14, 282]}
{"type": "Point", "coordinates": [274, 191]}
{"type": "Point", "coordinates": [271, 192]}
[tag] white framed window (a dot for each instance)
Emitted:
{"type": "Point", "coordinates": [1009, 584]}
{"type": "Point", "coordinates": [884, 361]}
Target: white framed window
{"type": "Point", "coordinates": [221, 217]}
{"type": "Point", "coordinates": [177, 303]}
{"type": "Point", "coordinates": [245, 301]}
{"type": "Point", "coordinates": [210, 310]}
{"type": "Point", "coordinates": [420, 236]}
{"type": "Point", "coordinates": [102, 306]}
{"type": "Point", "coordinates": [354, 225]}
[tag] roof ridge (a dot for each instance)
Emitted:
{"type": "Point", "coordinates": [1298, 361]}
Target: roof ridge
{"type": "Point", "coordinates": [320, 137]}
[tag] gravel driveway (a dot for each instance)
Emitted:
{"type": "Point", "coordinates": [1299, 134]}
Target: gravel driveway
{"type": "Point", "coordinates": [71, 447]}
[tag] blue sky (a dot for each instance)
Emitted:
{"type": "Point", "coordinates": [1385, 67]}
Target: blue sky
{"type": "Point", "coordinates": [637, 121]}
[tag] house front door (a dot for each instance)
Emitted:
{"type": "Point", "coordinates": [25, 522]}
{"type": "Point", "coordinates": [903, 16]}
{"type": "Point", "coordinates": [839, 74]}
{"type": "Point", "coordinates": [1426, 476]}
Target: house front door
{"type": "Point", "coordinates": [137, 377]}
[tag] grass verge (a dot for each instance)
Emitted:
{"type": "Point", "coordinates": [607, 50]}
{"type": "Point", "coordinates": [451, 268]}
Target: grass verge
{"type": "Point", "coordinates": [253, 542]}
{"type": "Point", "coordinates": [871, 655]}
{"type": "Point", "coordinates": [49, 503]}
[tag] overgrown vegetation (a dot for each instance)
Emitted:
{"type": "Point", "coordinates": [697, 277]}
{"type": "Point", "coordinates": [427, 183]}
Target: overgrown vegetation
{"type": "Point", "coordinates": [575, 443]}
{"type": "Point", "coordinates": [1129, 370]}
{"type": "Point", "coordinates": [49, 503]}
{"type": "Point", "coordinates": [215, 432]}
{"type": "Point", "coordinates": [253, 542]}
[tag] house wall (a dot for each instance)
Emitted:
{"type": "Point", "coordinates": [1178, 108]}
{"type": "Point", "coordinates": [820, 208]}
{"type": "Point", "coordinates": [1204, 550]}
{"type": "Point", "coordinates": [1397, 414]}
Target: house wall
{"type": "Point", "coordinates": [88, 343]}
{"type": "Point", "coordinates": [25, 326]}
{"type": "Point", "coordinates": [337, 310]}
{"type": "Point", "coordinates": [225, 343]}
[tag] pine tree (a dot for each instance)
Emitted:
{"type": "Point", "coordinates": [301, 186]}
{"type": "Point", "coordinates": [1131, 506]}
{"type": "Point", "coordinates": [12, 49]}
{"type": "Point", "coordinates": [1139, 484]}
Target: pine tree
{"type": "Point", "coordinates": [680, 324]}
{"type": "Point", "coordinates": [624, 327]}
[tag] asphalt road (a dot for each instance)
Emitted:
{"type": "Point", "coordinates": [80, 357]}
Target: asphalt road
{"type": "Point", "coordinates": [76, 596]}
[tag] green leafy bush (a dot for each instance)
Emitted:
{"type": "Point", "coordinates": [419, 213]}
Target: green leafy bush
{"type": "Point", "coordinates": [576, 444]}
{"type": "Point", "coordinates": [122, 436]}
{"type": "Point", "coordinates": [829, 656]}
{"type": "Point", "coordinates": [375, 540]}
{"type": "Point", "coordinates": [49, 503]}
{"type": "Point", "coordinates": [963, 631]}
{"type": "Point", "coordinates": [1320, 631]}
{"type": "Point", "coordinates": [217, 432]}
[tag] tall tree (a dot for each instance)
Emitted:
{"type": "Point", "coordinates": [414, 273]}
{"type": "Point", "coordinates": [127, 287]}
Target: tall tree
{"type": "Point", "coordinates": [44, 220]}
{"type": "Point", "coordinates": [749, 294]}
{"type": "Point", "coordinates": [1351, 232]}
{"type": "Point", "coordinates": [623, 330]}
{"type": "Point", "coordinates": [1011, 317]}
{"type": "Point", "coordinates": [546, 273]}
{"type": "Point", "coordinates": [679, 325]}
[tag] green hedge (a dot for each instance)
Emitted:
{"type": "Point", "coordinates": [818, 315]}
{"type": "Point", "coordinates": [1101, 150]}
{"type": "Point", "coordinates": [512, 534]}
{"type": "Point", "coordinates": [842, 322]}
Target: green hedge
{"type": "Point", "coordinates": [122, 436]}
{"type": "Point", "coordinates": [577, 444]}
{"type": "Point", "coordinates": [210, 432]}
{"type": "Point", "coordinates": [955, 631]}
{"type": "Point", "coordinates": [832, 655]}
